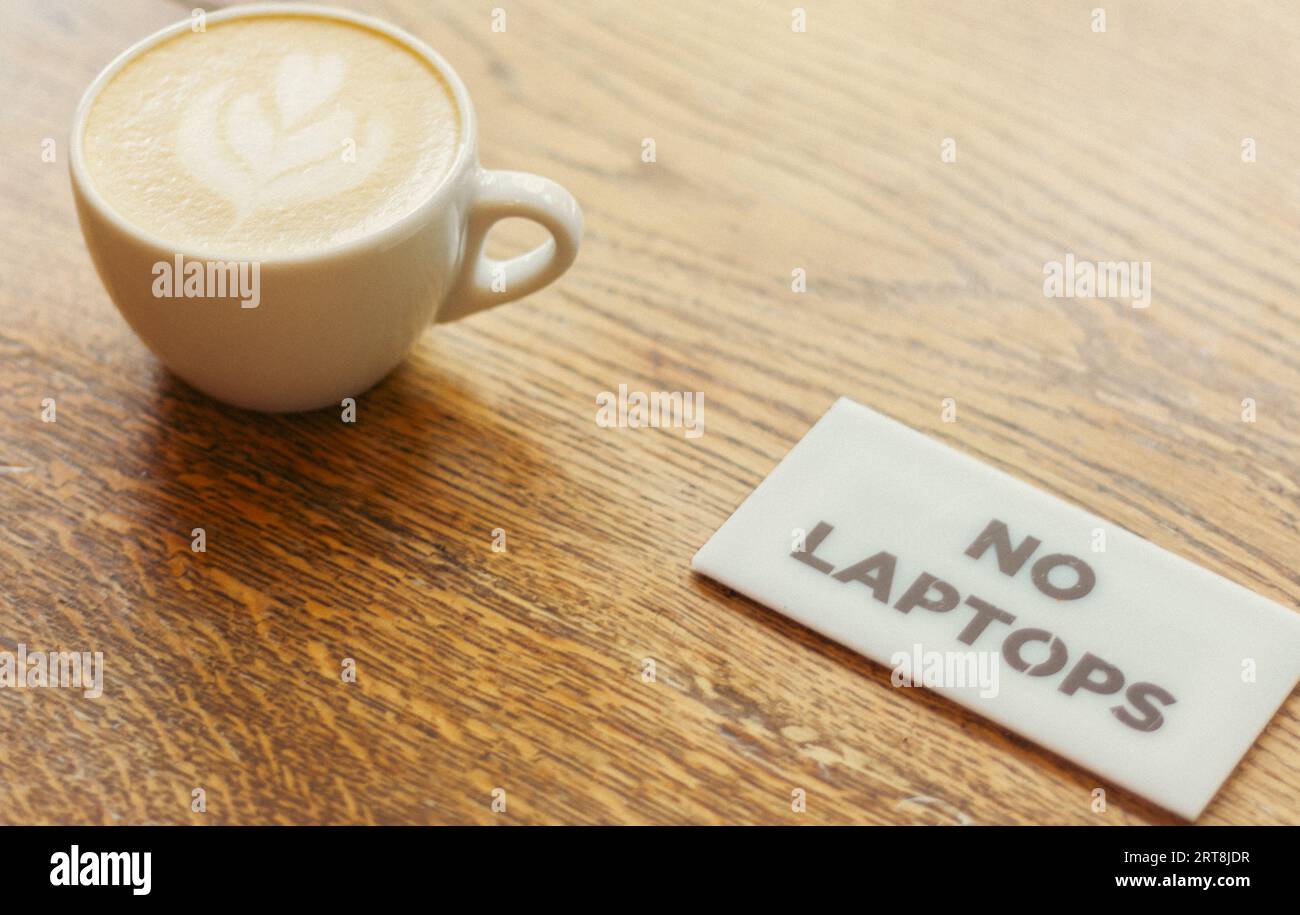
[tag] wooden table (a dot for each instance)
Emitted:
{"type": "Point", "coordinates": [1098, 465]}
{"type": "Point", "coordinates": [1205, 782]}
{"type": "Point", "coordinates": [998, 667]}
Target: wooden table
{"type": "Point", "coordinates": [525, 670]}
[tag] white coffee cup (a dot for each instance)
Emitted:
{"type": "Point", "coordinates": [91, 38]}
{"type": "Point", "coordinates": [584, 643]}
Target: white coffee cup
{"type": "Point", "coordinates": [329, 324]}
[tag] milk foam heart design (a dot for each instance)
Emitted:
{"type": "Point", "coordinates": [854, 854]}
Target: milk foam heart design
{"type": "Point", "coordinates": [236, 148]}
{"type": "Point", "coordinates": [272, 133]}
{"type": "Point", "coordinates": [302, 84]}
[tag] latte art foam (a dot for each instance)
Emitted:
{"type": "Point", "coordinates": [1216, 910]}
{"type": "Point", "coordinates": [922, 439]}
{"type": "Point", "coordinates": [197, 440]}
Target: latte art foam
{"type": "Point", "coordinates": [271, 135]}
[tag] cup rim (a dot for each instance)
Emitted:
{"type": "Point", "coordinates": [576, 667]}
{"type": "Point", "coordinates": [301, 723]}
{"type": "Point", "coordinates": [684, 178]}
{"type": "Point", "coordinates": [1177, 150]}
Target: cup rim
{"type": "Point", "coordinates": [394, 231]}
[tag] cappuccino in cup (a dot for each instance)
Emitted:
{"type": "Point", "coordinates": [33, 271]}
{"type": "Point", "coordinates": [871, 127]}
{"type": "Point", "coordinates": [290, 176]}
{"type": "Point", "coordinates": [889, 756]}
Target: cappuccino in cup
{"type": "Point", "coordinates": [333, 154]}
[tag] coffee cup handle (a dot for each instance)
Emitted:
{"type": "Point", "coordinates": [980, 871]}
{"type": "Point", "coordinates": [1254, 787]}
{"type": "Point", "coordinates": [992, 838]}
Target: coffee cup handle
{"type": "Point", "coordinates": [486, 282]}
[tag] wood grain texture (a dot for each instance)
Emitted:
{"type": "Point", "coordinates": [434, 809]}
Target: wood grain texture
{"type": "Point", "coordinates": [522, 670]}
